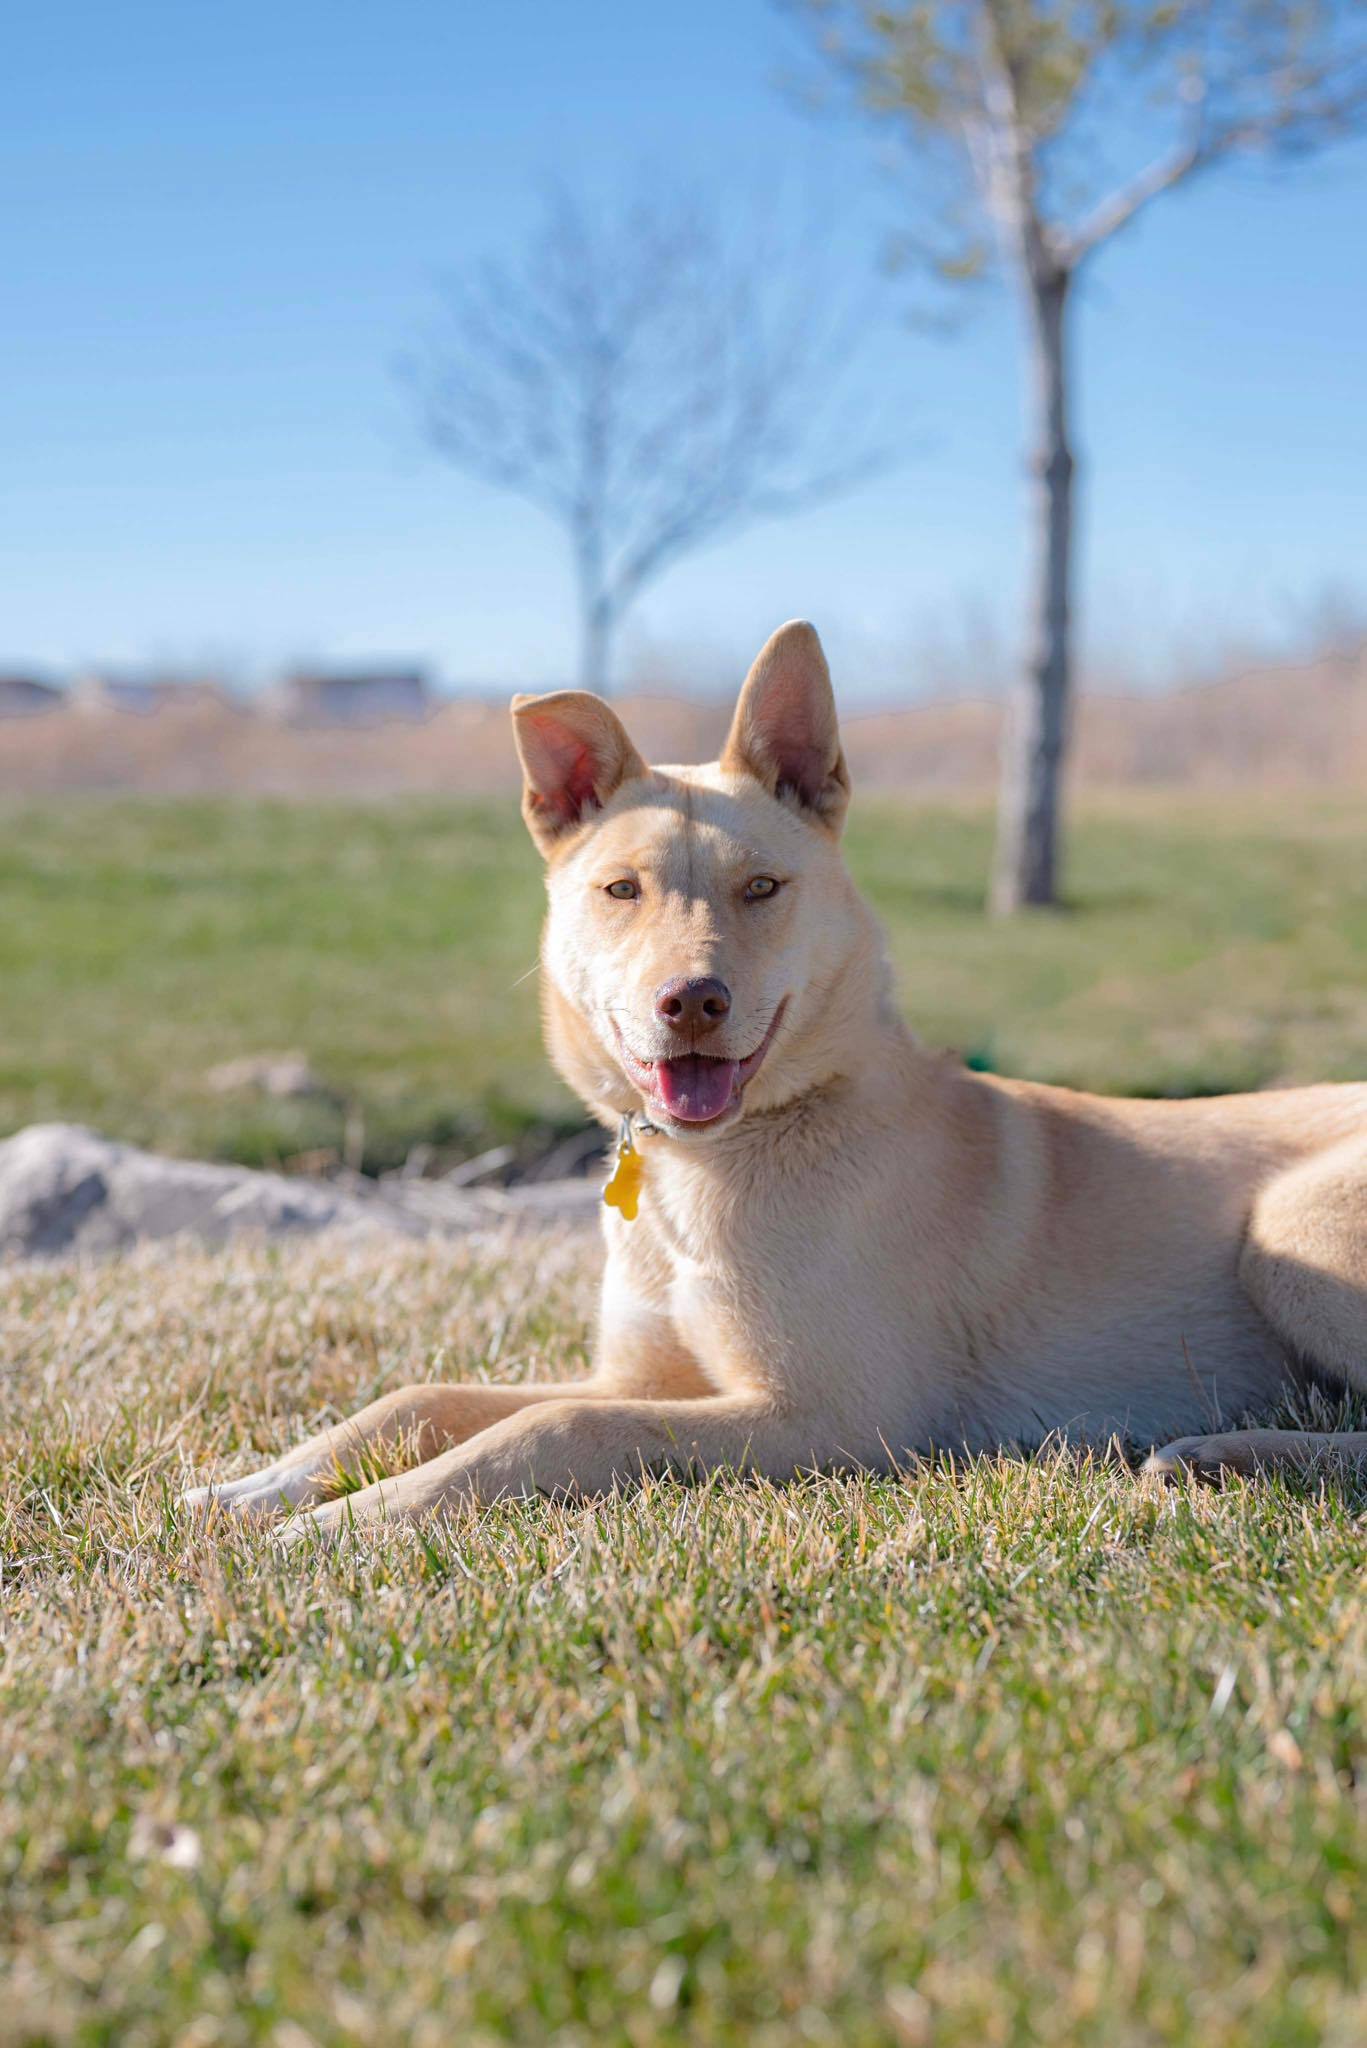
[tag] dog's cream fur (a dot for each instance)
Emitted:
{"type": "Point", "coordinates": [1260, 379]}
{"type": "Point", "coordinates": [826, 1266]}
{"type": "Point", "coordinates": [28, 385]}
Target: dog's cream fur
{"type": "Point", "coordinates": [873, 1253]}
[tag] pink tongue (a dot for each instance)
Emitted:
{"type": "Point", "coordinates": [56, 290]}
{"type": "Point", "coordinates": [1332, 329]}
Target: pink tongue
{"type": "Point", "coordinates": [695, 1088]}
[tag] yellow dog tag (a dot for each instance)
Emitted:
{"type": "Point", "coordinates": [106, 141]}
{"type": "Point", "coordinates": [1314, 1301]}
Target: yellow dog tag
{"type": "Point", "coordinates": [623, 1190]}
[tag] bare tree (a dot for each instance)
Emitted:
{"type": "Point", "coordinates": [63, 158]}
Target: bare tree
{"type": "Point", "coordinates": [652, 380]}
{"type": "Point", "coordinates": [1024, 104]}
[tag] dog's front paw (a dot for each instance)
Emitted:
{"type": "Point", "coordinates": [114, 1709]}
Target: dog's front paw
{"type": "Point", "coordinates": [257, 1494]}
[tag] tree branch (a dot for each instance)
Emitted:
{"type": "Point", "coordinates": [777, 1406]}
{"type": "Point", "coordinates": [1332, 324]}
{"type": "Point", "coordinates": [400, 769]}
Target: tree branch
{"type": "Point", "coordinates": [1285, 125]}
{"type": "Point", "coordinates": [1120, 207]}
{"type": "Point", "coordinates": [1011, 192]}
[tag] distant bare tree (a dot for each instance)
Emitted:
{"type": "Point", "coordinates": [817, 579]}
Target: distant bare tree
{"type": "Point", "coordinates": [649, 379]}
{"type": "Point", "coordinates": [1025, 104]}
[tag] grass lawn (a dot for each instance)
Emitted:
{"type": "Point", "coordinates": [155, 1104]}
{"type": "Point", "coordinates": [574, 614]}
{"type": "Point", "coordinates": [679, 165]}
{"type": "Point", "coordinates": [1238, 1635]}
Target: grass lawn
{"type": "Point", "coordinates": [143, 943]}
{"type": "Point", "coordinates": [1018, 1754]}
{"type": "Point", "coordinates": [1023, 1753]}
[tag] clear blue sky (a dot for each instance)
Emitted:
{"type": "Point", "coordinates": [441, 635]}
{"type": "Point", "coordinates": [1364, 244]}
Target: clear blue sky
{"type": "Point", "coordinates": [222, 224]}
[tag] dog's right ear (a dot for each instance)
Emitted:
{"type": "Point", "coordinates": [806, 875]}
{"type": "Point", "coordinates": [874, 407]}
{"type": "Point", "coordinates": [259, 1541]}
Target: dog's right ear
{"type": "Point", "coordinates": [575, 752]}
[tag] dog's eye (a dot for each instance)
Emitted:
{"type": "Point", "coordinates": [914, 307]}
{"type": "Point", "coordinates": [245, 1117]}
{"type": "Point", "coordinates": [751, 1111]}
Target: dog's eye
{"type": "Point", "coordinates": [760, 886]}
{"type": "Point", "coordinates": [623, 891]}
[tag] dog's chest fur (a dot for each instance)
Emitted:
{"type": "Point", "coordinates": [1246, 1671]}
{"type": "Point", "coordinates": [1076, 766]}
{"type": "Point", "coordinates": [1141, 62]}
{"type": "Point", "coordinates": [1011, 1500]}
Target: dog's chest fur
{"type": "Point", "coordinates": [961, 1280]}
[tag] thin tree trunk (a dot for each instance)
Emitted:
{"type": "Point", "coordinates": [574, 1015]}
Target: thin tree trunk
{"type": "Point", "coordinates": [1026, 870]}
{"type": "Point", "coordinates": [597, 612]}
{"type": "Point", "coordinates": [595, 646]}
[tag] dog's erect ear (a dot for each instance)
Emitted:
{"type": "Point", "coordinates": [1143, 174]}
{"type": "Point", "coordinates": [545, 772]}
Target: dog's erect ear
{"type": "Point", "coordinates": [574, 753]}
{"type": "Point", "coordinates": [785, 732]}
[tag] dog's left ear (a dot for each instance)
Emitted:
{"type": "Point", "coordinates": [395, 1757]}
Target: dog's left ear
{"type": "Point", "coordinates": [785, 732]}
{"type": "Point", "coordinates": [575, 752]}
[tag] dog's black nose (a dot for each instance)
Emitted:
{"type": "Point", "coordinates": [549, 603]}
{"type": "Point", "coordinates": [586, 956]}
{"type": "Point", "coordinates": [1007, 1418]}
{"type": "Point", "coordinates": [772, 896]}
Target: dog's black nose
{"type": "Point", "coordinates": [693, 1006]}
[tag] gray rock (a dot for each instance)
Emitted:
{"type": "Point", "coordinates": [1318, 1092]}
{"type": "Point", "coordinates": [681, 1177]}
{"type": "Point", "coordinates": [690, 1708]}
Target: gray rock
{"type": "Point", "coordinates": [65, 1189]}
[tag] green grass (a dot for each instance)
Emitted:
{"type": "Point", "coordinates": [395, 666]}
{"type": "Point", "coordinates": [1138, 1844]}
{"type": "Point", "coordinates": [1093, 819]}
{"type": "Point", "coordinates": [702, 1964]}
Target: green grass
{"type": "Point", "coordinates": [141, 944]}
{"type": "Point", "coordinates": [1015, 1754]}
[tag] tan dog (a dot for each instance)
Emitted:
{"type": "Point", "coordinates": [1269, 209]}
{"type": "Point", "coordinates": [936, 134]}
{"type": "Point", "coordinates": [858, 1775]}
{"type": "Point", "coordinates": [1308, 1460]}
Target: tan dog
{"type": "Point", "coordinates": [849, 1249]}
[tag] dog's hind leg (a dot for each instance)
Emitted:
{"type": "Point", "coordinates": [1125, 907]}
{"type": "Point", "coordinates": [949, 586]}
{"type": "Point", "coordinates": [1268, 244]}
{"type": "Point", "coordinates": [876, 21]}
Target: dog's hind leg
{"type": "Point", "coordinates": [416, 1422]}
{"type": "Point", "coordinates": [1262, 1450]}
{"type": "Point", "coordinates": [1304, 1266]}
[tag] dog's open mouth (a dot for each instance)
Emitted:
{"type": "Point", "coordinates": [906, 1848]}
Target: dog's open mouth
{"type": "Point", "coordinates": [696, 1087]}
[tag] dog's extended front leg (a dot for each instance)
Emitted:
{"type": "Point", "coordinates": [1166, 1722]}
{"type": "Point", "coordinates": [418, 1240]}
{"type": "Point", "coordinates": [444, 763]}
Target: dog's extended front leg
{"type": "Point", "coordinates": [417, 1421]}
{"type": "Point", "coordinates": [587, 1447]}
{"type": "Point", "coordinates": [639, 1351]}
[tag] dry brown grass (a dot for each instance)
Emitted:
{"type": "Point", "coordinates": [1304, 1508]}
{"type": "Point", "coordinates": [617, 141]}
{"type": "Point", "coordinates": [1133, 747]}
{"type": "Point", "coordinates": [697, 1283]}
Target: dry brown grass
{"type": "Point", "coordinates": [1277, 728]}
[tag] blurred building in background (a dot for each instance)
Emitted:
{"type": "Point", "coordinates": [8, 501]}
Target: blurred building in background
{"type": "Point", "coordinates": [143, 694]}
{"type": "Point", "coordinates": [366, 697]}
{"type": "Point", "coordinates": [24, 696]}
